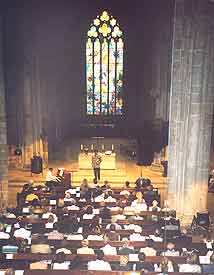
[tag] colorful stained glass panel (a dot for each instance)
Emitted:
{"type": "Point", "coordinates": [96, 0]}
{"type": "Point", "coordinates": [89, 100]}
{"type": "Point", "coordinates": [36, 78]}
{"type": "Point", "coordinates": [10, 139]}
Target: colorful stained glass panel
{"type": "Point", "coordinates": [104, 66]}
{"type": "Point", "coordinates": [104, 80]}
{"type": "Point", "coordinates": [89, 75]}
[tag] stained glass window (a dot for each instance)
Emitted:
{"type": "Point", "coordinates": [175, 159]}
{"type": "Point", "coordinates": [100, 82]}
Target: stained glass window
{"type": "Point", "coordinates": [104, 67]}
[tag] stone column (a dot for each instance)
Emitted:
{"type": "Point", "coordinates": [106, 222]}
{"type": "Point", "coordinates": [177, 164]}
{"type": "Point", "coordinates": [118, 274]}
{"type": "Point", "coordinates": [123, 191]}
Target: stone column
{"type": "Point", "coordinates": [3, 133]}
{"type": "Point", "coordinates": [34, 141]}
{"type": "Point", "coordinates": [191, 107]}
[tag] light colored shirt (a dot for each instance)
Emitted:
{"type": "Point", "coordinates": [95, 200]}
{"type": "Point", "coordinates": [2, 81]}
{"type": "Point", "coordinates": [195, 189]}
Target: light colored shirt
{"type": "Point", "coordinates": [99, 265]}
{"type": "Point", "coordinates": [137, 237]}
{"type": "Point", "coordinates": [170, 253]}
{"type": "Point", "coordinates": [99, 198]}
{"type": "Point", "coordinates": [88, 216]}
{"type": "Point", "coordinates": [96, 161]}
{"type": "Point", "coordinates": [61, 266]}
{"type": "Point", "coordinates": [125, 192]}
{"type": "Point", "coordinates": [73, 207]}
{"type": "Point", "coordinates": [140, 206]}
{"type": "Point", "coordinates": [22, 233]}
{"type": "Point", "coordinates": [85, 250]}
{"type": "Point", "coordinates": [135, 227]}
{"type": "Point", "coordinates": [55, 235]}
{"type": "Point", "coordinates": [95, 238]}
{"type": "Point", "coordinates": [110, 199]}
{"type": "Point", "coordinates": [193, 268]}
{"type": "Point", "coordinates": [75, 237]}
{"type": "Point", "coordinates": [109, 250]}
{"type": "Point", "coordinates": [148, 251]}
{"type": "Point", "coordinates": [64, 250]}
{"type": "Point", "coordinates": [4, 236]}
{"type": "Point", "coordinates": [51, 177]}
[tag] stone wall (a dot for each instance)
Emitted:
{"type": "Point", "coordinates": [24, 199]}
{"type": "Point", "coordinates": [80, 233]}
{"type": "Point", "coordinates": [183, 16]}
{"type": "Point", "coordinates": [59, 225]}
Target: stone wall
{"type": "Point", "coordinates": [3, 133]}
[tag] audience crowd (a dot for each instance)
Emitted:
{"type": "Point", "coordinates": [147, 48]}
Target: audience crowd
{"type": "Point", "coordinates": [99, 228]}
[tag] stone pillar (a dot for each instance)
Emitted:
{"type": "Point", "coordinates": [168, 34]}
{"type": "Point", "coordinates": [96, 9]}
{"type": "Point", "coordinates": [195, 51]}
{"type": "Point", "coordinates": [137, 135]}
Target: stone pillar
{"type": "Point", "coordinates": [191, 107]}
{"type": "Point", "coordinates": [3, 134]}
{"type": "Point", "coordinates": [34, 139]}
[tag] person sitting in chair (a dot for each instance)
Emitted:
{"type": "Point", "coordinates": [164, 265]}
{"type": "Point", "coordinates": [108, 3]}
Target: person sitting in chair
{"type": "Point", "coordinates": [51, 180]}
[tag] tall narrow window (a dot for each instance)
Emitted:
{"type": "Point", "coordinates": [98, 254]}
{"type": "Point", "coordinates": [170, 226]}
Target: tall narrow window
{"type": "Point", "coordinates": [104, 67]}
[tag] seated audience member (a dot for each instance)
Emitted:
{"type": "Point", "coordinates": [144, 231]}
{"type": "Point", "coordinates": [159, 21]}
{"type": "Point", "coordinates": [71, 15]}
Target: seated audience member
{"type": "Point", "coordinates": [41, 246]}
{"type": "Point", "coordinates": [111, 234]}
{"type": "Point", "coordinates": [94, 183]}
{"type": "Point", "coordinates": [22, 232]}
{"type": "Point", "coordinates": [142, 265]}
{"type": "Point", "coordinates": [124, 200]}
{"type": "Point", "coordinates": [85, 249]}
{"type": "Point", "coordinates": [50, 222]}
{"type": "Point", "coordinates": [131, 226]}
{"type": "Point", "coordinates": [117, 226]}
{"type": "Point", "coordinates": [63, 249]}
{"type": "Point", "coordinates": [48, 213]}
{"type": "Point", "coordinates": [51, 180]}
{"type": "Point", "coordinates": [154, 206]}
{"type": "Point", "coordinates": [88, 213]}
{"type": "Point", "coordinates": [150, 195]}
{"type": "Point", "coordinates": [124, 264]}
{"type": "Point", "coordinates": [31, 196]}
{"type": "Point", "coordinates": [68, 223]}
{"type": "Point", "coordinates": [55, 234]}
{"type": "Point", "coordinates": [139, 204]}
{"type": "Point", "coordinates": [126, 250]}
{"type": "Point", "coordinates": [3, 234]}
{"type": "Point", "coordinates": [125, 191]}
{"type": "Point", "coordinates": [60, 263]}
{"type": "Point", "coordinates": [139, 183]}
{"type": "Point", "coordinates": [106, 185]}
{"type": "Point", "coordinates": [10, 213]}
{"type": "Point", "coordinates": [39, 190]}
{"type": "Point", "coordinates": [99, 263]}
{"type": "Point", "coordinates": [109, 198]}
{"type": "Point", "coordinates": [84, 187]}
{"type": "Point", "coordinates": [109, 250]}
{"type": "Point", "coordinates": [191, 266]}
{"type": "Point", "coordinates": [170, 250]}
{"type": "Point", "coordinates": [68, 198]}
{"type": "Point", "coordinates": [94, 227]}
{"type": "Point", "coordinates": [105, 212]}
{"type": "Point", "coordinates": [134, 237]}
{"type": "Point", "coordinates": [165, 266]}
{"type": "Point", "coordinates": [209, 268]}
{"type": "Point", "coordinates": [149, 249]}
{"type": "Point", "coordinates": [35, 209]}
{"type": "Point", "coordinates": [100, 198]}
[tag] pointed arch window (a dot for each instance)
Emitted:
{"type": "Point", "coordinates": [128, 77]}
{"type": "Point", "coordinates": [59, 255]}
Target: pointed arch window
{"type": "Point", "coordinates": [104, 66]}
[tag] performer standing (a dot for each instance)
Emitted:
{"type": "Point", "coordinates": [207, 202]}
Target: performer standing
{"type": "Point", "coordinates": [96, 161]}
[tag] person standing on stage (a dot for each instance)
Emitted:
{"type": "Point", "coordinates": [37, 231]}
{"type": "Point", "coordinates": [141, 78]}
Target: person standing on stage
{"type": "Point", "coordinates": [96, 161]}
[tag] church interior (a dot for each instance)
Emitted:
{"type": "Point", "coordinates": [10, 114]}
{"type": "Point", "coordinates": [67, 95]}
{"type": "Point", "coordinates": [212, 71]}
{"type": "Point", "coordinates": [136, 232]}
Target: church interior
{"type": "Point", "coordinates": [107, 137]}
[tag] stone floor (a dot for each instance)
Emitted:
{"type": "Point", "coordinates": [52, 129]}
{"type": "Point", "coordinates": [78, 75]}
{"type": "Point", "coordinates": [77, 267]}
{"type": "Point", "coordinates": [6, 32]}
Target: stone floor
{"type": "Point", "coordinates": [126, 170]}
